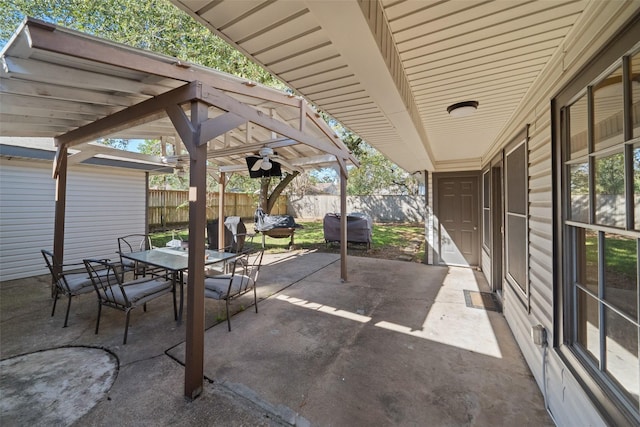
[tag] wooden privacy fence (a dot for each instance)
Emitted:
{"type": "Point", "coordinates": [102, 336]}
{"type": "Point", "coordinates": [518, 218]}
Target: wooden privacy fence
{"type": "Point", "coordinates": [170, 208]}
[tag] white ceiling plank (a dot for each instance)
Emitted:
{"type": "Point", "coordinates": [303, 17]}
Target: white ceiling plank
{"type": "Point", "coordinates": [472, 51]}
{"type": "Point", "coordinates": [289, 48]}
{"type": "Point", "coordinates": [454, 38]}
{"type": "Point", "coordinates": [311, 69]}
{"type": "Point", "coordinates": [312, 55]}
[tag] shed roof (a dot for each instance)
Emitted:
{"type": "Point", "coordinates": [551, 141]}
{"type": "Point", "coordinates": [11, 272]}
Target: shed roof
{"type": "Point", "coordinates": [44, 149]}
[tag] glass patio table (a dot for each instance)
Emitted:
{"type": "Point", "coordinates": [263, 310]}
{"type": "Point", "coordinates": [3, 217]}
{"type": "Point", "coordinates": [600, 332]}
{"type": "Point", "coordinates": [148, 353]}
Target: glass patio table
{"type": "Point", "coordinates": [176, 261]}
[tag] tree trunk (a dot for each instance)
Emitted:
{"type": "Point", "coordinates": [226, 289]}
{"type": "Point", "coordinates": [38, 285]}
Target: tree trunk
{"type": "Point", "coordinates": [268, 202]}
{"type": "Point", "coordinates": [264, 193]}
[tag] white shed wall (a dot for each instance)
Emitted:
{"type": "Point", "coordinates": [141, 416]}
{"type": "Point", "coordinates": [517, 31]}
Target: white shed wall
{"type": "Point", "coordinates": [102, 204]}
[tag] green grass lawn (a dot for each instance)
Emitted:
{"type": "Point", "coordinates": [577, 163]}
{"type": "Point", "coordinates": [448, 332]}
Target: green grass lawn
{"type": "Point", "coordinates": [389, 240]}
{"type": "Point", "coordinates": [620, 255]}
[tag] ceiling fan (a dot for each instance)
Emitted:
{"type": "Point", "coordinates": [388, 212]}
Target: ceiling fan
{"type": "Point", "coordinates": [267, 159]}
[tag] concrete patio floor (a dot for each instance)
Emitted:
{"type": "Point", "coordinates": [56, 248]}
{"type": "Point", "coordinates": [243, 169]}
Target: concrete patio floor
{"type": "Point", "coordinates": [395, 345]}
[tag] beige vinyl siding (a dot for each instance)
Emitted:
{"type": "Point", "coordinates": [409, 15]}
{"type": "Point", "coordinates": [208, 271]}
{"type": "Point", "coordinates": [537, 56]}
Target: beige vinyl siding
{"type": "Point", "coordinates": [102, 204]}
{"type": "Point", "coordinates": [541, 225]}
{"type": "Point", "coordinates": [26, 217]}
{"type": "Point", "coordinates": [568, 402]}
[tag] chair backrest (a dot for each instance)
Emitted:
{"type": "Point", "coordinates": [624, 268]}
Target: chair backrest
{"type": "Point", "coordinates": [249, 263]}
{"type": "Point", "coordinates": [134, 243]}
{"type": "Point", "coordinates": [57, 273]}
{"type": "Point", "coordinates": [107, 280]}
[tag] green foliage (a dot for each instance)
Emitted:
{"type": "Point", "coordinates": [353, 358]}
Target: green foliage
{"type": "Point", "coordinates": [120, 144]}
{"type": "Point", "coordinates": [243, 184]}
{"type": "Point", "coordinates": [378, 175]}
{"type": "Point", "coordinates": [610, 174]}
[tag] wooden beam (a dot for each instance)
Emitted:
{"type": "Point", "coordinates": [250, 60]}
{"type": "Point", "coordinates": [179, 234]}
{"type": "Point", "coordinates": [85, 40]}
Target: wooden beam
{"type": "Point", "coordinates": [343, 166]}
{"type": "Point", "coordinates": [181, 123]}
{"type": "Point", "coordinates": [86, 153]}
{"type": "Point", "coordinates": [144, 112]}
{"type": "Point", "coordinates": [248, 148]}
{"type": "Point", "coordinates": [303, 115]}
{"type": "Point", "coordinates": [58, 159]}
{"type": "Point", "coordinates": [228, 103]}
{"type": "Point", "coordinates": [217, 126]}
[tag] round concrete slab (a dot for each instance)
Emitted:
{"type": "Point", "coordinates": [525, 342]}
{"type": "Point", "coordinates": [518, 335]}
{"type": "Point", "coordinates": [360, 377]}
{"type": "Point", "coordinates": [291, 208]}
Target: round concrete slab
{"type": "Point", "coordinates": [54, 387]}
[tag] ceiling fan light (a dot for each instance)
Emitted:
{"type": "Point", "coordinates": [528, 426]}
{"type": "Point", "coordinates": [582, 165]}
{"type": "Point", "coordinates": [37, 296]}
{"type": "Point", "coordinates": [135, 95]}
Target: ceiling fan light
{"type": "Point", "coordinates": [462, 109]}
{"type": "Point", "coordinates": [266, 164]}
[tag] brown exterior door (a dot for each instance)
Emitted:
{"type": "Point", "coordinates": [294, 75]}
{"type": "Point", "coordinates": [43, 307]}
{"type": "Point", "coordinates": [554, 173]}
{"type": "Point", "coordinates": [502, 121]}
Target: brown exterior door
{"type": "Point", "coordinates": [457, 212]}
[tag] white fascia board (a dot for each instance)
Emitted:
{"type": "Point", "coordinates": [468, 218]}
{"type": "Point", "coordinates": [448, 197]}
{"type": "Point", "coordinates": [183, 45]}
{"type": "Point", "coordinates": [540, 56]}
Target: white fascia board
{"type": "Point", "coordinates": [351, 36]}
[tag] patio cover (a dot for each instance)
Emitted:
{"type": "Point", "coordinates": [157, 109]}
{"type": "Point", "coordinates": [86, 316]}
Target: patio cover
{"type": "Point", "coordinates": [73, 87]}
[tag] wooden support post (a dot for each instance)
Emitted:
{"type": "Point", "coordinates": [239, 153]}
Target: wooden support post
{"type": "Point", "coordinates": [194, 360]}
{"type": "Point", "coordinates": [60, 175]}
{"type": "Point", "coordinates": [343, 225]}
{"type": "Point", "coordinates": [221, 189]}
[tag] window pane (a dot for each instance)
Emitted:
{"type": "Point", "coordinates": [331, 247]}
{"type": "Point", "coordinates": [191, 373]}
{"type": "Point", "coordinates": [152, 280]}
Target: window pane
{"type": "Point", "coordinates": [486, 185]}
{"type": "Point", "coordinates": [622, 352]}
{"type": "Point", "coordinates": [621, 273]}
{"type": "Point", "coordinates": [516, 181]}
{"type": "Point", "coordinates": [486, 224]}
{"type": "Point", "coordinates": [517, 250]}
{"type": "Point", "coordinates": [579, 192]}
{"type": "Point", "coordinates": [610, 199]}
{"type": "Point", "coordinates": [586, 268]}
{"type": "Point", "coordinates": [636, 184]}
{"type": "Point", "coordinates": [578, 128]}
{"type": "Point", "coordinates": [635, 93]}
{"type": "Point", "coordinates": [588, 324]}
{"type": "Point", "coordinates": [607, 111]}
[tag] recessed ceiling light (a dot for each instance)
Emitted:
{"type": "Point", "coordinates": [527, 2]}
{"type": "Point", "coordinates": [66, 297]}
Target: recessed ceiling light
{"type": "Point", "coordinates": [462, 109]}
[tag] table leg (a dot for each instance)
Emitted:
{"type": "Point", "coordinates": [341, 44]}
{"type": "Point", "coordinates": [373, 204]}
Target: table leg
{"type": "Point", "coordinates": [181, 293]}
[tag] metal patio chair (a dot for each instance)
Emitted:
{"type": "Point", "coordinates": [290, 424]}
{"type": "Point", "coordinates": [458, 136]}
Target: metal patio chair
{"type": "Point", "coordinates": [242, 279]}
{"type": "Point", "coordinates": [135, 243]}
{"type": "Point", "coordinates": [67, 279]}
{"type": "Point", "coordinates": [114, 292]}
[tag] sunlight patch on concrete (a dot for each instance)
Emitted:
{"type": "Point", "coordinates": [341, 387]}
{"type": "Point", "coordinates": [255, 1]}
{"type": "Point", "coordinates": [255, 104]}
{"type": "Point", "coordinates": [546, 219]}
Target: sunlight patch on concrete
{"type": "Point", "coordinates": [470, 330]}
{"type": "Point", "coordinates": [324, 308]}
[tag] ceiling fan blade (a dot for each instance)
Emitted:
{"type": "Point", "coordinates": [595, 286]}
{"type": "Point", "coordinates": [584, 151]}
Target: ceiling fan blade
{"type": "Point", "coordinates": [257, 165]}
{"type": "Point", "coordinates": [287, 164]}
